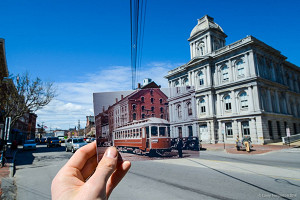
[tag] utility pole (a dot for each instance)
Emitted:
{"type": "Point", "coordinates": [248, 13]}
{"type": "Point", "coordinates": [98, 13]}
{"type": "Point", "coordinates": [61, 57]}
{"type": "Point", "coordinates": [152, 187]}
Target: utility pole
{"type": "Point", "coordinates": [78, 127]}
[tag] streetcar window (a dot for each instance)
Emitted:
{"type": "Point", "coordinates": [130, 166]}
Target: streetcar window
{"type": "Point", "coordinates": [147, 131]}
{"type": "Point", "coordinates": [162, 131]}
{"type": "Point", "coordinates": [168, 131]}
{"type": "Point", "coordinates": [154, 131]}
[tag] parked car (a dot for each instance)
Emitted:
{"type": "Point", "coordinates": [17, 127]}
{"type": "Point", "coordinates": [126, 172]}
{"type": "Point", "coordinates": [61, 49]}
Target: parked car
{"type": "Point", "coordinates": [88, 140]}
{"type": "Point", "coordinates": [29, 144]}
{"type": "Point", "coordinates": [73, 144]}
{"type": "Point", "coordinates": [53, 142]}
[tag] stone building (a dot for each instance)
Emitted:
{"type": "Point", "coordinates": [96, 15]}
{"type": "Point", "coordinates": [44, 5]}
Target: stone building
{"type": "Point", "coordinates": [183, 112]}
{"type": "Point", "coordinates": [244, 88]}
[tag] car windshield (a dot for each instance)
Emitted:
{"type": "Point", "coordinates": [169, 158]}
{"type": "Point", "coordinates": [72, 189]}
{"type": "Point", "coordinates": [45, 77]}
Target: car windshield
{"type": "Point", "coordinates": [29, 142]}
{"type": "Point", "coordinates": [80, 140]}
{"type": "Point", "coordinates": [54, 138]}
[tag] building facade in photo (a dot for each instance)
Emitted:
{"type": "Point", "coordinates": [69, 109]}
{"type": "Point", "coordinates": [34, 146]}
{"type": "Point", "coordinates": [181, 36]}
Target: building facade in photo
{"type": "Point", "coordinates": [183, 112]}
{"type": "Point", "coordinates": [246, 88]}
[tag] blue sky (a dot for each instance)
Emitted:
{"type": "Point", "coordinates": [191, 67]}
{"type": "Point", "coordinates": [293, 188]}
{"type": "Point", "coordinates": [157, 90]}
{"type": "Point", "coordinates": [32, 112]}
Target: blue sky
{"type": "Point", "coordinates": [84, 46]}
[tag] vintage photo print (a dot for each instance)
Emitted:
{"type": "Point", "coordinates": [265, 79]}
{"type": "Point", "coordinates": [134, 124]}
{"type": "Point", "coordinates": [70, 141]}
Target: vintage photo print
{"type": "Point", "coordinates": [147, 123]}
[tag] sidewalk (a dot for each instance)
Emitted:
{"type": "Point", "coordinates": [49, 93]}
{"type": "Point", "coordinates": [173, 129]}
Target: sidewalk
{"type": "Point", "coordinates": [7, 171]}
{"type": "Point", "coordinates": [256, 149]}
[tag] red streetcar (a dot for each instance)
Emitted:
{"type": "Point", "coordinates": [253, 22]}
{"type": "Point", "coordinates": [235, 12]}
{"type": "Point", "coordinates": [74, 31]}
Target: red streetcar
{"type": "Point", "coordinates": [151, 135]}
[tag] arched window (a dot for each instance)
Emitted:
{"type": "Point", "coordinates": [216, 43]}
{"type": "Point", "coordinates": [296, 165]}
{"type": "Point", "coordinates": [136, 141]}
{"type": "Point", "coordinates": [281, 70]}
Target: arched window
{"type": "Point", "coordinates": [228, 129]}
{"type": "Point", "coordinates": [186, 82]}
{"type": "Point", "coordinates": [142, 99]}
{"type": "Point", "coordinates": [200, 48]}
{"type": "Point", "coordinates": [176, 83]}
{"type": "Point", "coordinates": [202, 106]}
{"type": "Point", "coordinates": [160, 101]}
{"type": "Point", "coordinates": [143, 108]}
{"type": "Point", "coordinates": [227, 102]}
{"type": "Point", "coordinates": [225, 73]}
{"type": "Point", "coordinates": [244, 100]}
{"type": "Point", "coordinates": [152, 108]}
{"type": "Point", "coordinates": [179, 114]}
{"type": "Point", "coordinates": [152, 100]}
{"type": "Point", "coordinates": [133, 107]}
{"type": "Point", "coordinates": [161, 116]}
{"type": "Point", "coordinates": [201, 78]}
{"type": "Point", "coordinates": [161, 109]}
{"type": "Point", "coordinates": [134, 116]}
{"type": "Point", "coordinates": [189, 107]}
{"type": "Point", "coordinates": [240, 68]}
{"type": "Point", "coordinates": [143, 116]}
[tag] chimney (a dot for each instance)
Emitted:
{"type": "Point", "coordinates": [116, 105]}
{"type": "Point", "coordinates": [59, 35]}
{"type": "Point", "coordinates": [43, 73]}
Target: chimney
{"type": "Point", "coordinates": [139, 86]}
{"type": "Point", "coordinates": [116, 100]}
{"type": "Point", "coordinates": [103, 109]}
{"type": "Point", "coordinates": [122, 96]}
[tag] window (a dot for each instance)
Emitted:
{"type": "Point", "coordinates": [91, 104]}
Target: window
{"type": "Point", "coordinates": [176, 84]}
{"type": "Point", "coordinates": [228, 129]}
{"type": "Point", "coordinates": [200, 48]}
{"type": "Point", "coordinates": [161, 116]}
{"type": "Point", "coordinates": [152, 100]}
{"type": "Point", "coordinates": [190, 131]}
{"type": "Point", "coordinates": [227, 102]}
{"type": "Point", "coordinates": [244, 100]}
{"type": "Point", "coordinates": [245, 128]}
{"type": "Point", "coordinates": [201, 78]}
{"type": "Point", "coordinates": [161, 109]}
{"type": "Point", "coordinates": [295, 128]}
{"type": "Point", "coordinates": [160, 101]}
{"type": "Point", "coordinates": [186, 82]}
{"type": "Point", "coordinates": [179, 111]}
{"type": "Point", "coordinates": [278, 129]}
{"type": "Point", "coordinates": [143, 116]}
{"type": "Point", "coordinates": [189, 107]}
{"type": "Point", "coordinates": [142, 99]}
{"type": "Point", "coordinates": [152, 108]}
{"type": "Point", "coordinates": [202, 106]}
{"type": "Point", "coordinates": [134, 116]}
{"type": "Point", "coordinates": [154, 131]}
{"type": "Point", "coordinates": [270, 129]}
{"type": "Point", "coordinates": [133, 106]}
{"type": "Point", "coordinates": [143, 108]}
{"type": "Point", "coordinates": [152, 115]}
{"type": "Point", "coordinates": [225, 73]}
{"type": "Point", "coordinates": [240, 68]}
{"type": "Point", "coordinates": [162, 131]}
{"type": "Point", "coordinates": [151, 92]}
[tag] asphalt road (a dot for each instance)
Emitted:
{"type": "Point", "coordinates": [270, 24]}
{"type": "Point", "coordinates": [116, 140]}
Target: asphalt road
{"type": "Point", "coordinates": [215, 175]}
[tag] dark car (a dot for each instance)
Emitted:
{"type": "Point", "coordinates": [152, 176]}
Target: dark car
{"type": "Point", "coordinates": [53, 142]}
{"type": "Point", "coordinates": [43, 140]}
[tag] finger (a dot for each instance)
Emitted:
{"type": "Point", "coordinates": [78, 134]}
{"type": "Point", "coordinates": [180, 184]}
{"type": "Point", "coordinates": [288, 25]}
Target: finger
{"type": "Point", "coordinates": [117, 176]}
{"type": "Point", "coordinates": [89, 167]}
{"type": "Point", "coordinates": [105, 168]}
{"type": "Point", "coordinates": [81, 156]}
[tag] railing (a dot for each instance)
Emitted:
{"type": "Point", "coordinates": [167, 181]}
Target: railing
{"type": "Point", "coordinates": [288, 140]}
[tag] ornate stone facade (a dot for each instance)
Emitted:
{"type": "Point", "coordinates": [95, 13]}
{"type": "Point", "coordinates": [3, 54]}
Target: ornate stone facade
{"type": "Point", "coordinates": [244, 88]}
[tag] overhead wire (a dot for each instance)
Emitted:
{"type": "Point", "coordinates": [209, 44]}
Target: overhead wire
{"type": "Point", "coordinates": [137, 24]}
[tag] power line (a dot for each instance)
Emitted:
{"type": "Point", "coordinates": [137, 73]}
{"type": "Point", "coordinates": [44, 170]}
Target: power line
{"type": "Point", "coordinates": [137, 24]}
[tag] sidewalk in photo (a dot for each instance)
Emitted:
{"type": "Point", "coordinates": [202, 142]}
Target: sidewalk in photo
{"type": "Point", "coordinates": [256, 149]}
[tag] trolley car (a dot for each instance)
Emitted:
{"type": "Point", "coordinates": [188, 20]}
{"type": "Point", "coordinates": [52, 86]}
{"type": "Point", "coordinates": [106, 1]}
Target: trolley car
{"type": "Point", "coordinates": [151, 135]}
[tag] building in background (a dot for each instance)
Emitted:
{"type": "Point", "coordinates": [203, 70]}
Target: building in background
{"type": "Point", "coordinates": [246, 88]}
{"type": "Point", "coordinates": [90, 126]}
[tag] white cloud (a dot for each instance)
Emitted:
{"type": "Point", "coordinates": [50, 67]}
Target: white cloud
{"type": "Point", "coordinates": [75, 99]}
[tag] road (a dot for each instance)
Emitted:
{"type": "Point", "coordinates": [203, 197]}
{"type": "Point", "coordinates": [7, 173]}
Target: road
{"type": "Point", "coordinates": [214, 175]}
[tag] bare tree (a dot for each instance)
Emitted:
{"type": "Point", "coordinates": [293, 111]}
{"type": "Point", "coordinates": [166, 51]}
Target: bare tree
{"type": "Point", "coordinates": [21, 94]}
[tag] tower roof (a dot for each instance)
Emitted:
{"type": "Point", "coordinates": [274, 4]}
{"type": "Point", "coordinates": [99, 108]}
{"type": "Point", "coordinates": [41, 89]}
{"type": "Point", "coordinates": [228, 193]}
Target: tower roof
{"type": "Point", "coordinates": [204, 24]}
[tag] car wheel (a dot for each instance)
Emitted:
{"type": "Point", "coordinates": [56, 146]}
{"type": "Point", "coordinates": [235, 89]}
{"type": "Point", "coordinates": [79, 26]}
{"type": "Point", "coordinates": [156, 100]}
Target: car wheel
{"type": "Point", "coordinates": [73, 151]}
{"type": "Point", "coordinates": [48, 145]}
{"type": "Point", "coordinates": [66, 149]}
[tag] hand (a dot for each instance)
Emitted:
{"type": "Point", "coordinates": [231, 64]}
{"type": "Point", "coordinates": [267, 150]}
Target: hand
{"type": "Point", "coordinates": [83, 178]}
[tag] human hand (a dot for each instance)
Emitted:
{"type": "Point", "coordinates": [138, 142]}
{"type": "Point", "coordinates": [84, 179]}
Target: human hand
{"type": "Point", "coordinates": [83, 178]}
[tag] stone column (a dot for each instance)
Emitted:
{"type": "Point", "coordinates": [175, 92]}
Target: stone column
{"type": "Point", "coordinates": [239, 129]}
{"type": "Point", "coordinates": [210, 102]}
{"type": "Point", "coordinates": [269, 100]}
{"type": "Point", "coordinates": [277, 102]}
{"type": "Point", "coordinates": [209, 82]}
{"type": "Point", "coordinates": [247, 65]}
{"type": "Point", "coordinates": [206, 106]}
{"type": "Point", "coordinates": [231, 79]}
{"type": "Point", "coordinates": [233, 97]}
{"type": "Point", "coordinates": [221, 138]}
{"type": "Point", "coordinates": [190, 79]}
{"type": "Point", "coordinates": [209, 131]}
{"type": "Point", "coordinates": [251, 104]}
{"type": "Point", "coordinates": [218, 104]}
{"type": "Point", "coordinates": [193, 78]}
{"type": "Point", "coordinates": [191, 50]}
{"type": "Point", "coordinates": [253, 131]}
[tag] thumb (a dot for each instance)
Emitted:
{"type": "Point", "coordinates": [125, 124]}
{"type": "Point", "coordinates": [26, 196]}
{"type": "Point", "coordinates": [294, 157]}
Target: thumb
{"type": "Point", "coordinates": [104, 170]}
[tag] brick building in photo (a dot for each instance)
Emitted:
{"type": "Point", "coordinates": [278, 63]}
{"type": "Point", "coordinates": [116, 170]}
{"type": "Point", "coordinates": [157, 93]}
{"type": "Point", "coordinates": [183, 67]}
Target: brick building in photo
{"type": "Point", "coordinates": [145, 102]}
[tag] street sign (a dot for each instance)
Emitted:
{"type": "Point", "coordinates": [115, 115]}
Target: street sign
{"type": "Point", "coordinates": [7, 128]}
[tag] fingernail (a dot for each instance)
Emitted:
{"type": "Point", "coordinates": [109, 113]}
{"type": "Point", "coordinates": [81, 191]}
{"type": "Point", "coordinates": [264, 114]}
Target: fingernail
{"type": "Point", "coordinates": [111, 152]}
